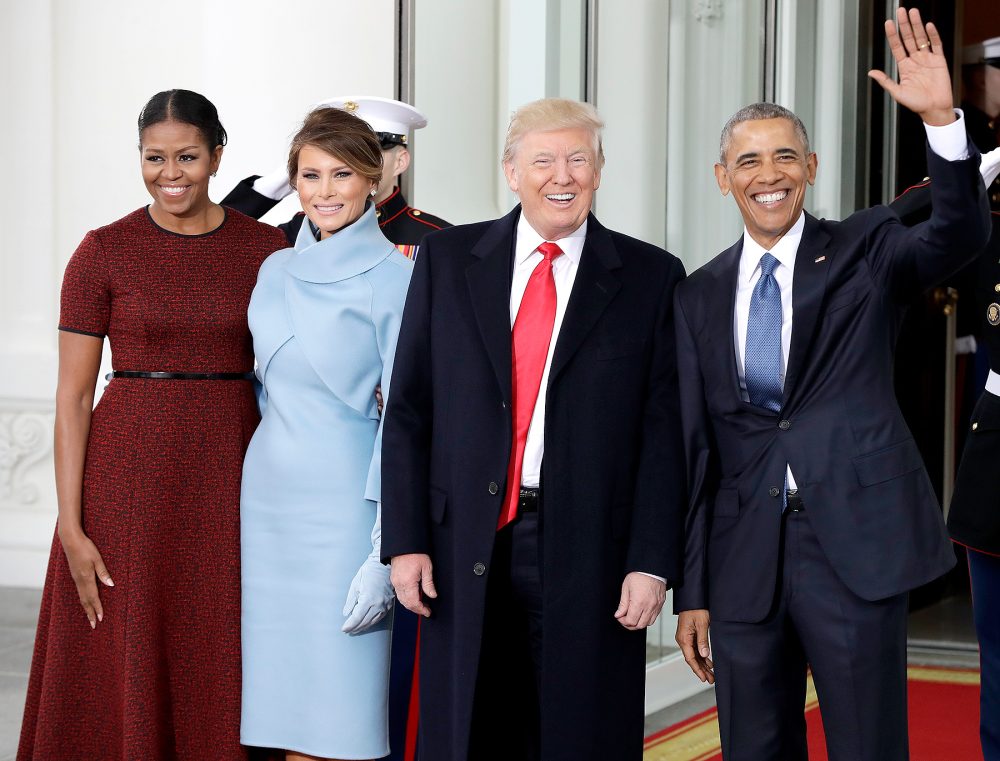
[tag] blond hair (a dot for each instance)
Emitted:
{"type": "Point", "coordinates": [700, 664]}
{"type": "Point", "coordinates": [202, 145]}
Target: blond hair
{"type": "Point", "coordinates": [550, 114]}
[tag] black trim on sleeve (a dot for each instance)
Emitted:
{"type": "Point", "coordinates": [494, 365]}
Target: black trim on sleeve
{"type": "Point", "coordinates": [81, 332]}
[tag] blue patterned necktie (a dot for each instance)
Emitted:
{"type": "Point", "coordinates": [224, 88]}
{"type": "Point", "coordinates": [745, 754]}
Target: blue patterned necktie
{"type": "Point", "coordinates": [762, 361]}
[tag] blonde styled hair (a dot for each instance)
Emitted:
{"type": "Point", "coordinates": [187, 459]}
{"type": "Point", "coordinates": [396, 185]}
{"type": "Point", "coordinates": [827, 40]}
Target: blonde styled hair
{"type": "Point", "coordinates": [550, 114]}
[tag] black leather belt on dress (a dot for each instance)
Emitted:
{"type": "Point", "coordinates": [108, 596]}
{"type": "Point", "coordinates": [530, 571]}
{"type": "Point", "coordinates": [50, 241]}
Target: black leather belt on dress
{"type": "Point", "coordinates": [528, 501]}
{"type": "Point", "coordinates": [794, 502]}
{"type": "Point", "coordinates": [179, 376]}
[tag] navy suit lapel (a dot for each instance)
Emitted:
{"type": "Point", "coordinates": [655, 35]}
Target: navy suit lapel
{"type": "Point", "coordinates": [594, 288]}
{"type": "Point", "coordinates": [812, 263]}
{"type": "Point", "coordinates": [729, 277]}
{"type": "Point", "coordinates": [489, 285]}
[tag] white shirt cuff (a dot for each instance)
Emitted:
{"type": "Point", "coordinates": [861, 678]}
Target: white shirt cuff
{"type": "Point", "coordinates": [653, 576]}
{"type": "Point", "coordinates": [949, 141]}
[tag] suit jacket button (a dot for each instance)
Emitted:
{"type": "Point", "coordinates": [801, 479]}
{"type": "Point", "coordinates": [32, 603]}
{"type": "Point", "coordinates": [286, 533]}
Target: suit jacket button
{"type": "Point", "coordinates": [479, 569]}
{"type": "Point", "coordinates": [774, 491]}
{"type": "Point", "coordinates": [785, 425]}
{"type": "Point", "coordinates": [493, 487]}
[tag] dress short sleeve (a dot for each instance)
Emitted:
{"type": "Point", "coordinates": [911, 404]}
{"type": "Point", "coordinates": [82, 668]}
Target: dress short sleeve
{"type": "Point", "coordinates": [85, 305]}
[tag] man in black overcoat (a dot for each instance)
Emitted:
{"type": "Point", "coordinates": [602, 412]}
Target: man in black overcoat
{"type": "Point", "coordinates": [538, 551]}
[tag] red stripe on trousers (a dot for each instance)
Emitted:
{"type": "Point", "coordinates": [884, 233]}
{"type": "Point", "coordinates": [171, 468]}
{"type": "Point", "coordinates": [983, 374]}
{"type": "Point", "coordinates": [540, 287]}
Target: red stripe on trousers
{"type": "Point", "coordinates": [413, 717]}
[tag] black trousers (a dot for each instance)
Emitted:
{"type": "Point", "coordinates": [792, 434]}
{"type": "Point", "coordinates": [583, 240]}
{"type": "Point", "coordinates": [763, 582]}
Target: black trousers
{"type": "Point", "coordinates": [855, 648]}
{"type": "Point", "coordinates": [506, 728]}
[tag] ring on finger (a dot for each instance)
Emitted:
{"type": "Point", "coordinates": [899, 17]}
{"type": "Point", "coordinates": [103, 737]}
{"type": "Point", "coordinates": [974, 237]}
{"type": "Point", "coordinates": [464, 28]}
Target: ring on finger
{"type": "Point", "coordinates": [923, 45]}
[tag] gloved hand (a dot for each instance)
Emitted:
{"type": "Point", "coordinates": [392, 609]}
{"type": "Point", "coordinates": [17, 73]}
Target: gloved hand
{"type": "Point", "coordinates": [274, 185]}
{"type": "Point", "coordinates": [990, 166]}
{"type": "Point", "coordinates": [370, 597]}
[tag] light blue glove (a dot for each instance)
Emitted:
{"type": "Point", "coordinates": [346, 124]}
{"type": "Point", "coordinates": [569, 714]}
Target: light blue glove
{"type": "Point", "coordinates": [370, 597]}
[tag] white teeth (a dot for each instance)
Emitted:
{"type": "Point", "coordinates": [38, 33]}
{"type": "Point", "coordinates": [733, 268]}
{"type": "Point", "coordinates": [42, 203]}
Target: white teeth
{"type": "Point", "coordinates": [770, 197]}
{"type": "Point", "coordinates": [173, 191]}
{"type": "Point", "coordinates": [328, 209]}
{"type": "Point", "coordinates": [561, 196]}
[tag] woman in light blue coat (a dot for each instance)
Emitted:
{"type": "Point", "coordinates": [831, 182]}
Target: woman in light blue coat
{"type": "Point", "coordinates": [324, 315]}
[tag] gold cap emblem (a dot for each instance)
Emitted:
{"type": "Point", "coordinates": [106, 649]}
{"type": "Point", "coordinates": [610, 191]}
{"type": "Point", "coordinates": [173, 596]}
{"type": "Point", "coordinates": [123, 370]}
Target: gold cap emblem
{"type": "Point", "coordinates": [351, 106]}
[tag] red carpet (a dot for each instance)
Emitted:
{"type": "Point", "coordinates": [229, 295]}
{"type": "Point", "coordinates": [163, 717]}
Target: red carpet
{"type": "Point", "coordinates": [944, 723]}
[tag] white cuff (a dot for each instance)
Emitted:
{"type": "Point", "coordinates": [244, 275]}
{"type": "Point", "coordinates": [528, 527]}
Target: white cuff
{"type": "Point", "coordinates": [653, 576]}
{"type": "Point", "coordinates": [949, 141]}
{"type": "Point", "coordinates": [274, 185]}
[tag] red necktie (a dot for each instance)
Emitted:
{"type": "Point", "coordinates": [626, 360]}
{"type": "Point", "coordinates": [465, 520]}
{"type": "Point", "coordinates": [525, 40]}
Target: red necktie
{"type": "Point", "coordinates": [529, 347]}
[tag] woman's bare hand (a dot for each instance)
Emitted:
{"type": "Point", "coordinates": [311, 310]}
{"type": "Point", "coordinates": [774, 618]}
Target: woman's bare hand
{"type": "Point", "coordinates": [86, 566]}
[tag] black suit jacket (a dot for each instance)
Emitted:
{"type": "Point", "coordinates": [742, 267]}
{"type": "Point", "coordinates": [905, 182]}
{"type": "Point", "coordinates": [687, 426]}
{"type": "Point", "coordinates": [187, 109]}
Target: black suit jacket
{"type": "Point", "coordinates": [612, 478]}
{"type": "Point", "coordinates": [855, 463]}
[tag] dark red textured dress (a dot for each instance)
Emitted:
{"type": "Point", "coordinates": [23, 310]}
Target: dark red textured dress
{"type": "Point", "coordinates": [160, 677]}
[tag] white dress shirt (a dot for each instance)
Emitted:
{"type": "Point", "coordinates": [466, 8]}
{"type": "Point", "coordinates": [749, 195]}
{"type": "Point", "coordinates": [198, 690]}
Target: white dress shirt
{"type": "Point", "coordinates": [564, 267]}
{"type": "Point", "coordinates": [949, 142]}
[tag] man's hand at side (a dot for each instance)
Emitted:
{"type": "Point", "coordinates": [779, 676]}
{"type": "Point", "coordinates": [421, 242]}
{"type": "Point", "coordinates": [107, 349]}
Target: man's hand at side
{"type": "Point", "coordinates": [642, 599]}
{"type": "Point", "coordinates": [692, 637]}
{"type": "Point", "coordinates": [413, 579]}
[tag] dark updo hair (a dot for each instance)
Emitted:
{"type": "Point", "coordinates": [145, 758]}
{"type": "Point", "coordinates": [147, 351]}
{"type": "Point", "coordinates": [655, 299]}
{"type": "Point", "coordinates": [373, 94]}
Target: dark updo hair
{"type": "Point", "coordinates": [341, 134]}
{"type": "Point", "coordinates": [186, 107]}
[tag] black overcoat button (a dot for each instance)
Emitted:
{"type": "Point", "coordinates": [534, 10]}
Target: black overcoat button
{"type": "Point", "coordinates": [493, 487]}
{"type": "Point", "coordinates": [479, 569]}
{"type": "Point", "coordinates": [785, 425]}
{"type": "Point", "coordinates": [774, 491]}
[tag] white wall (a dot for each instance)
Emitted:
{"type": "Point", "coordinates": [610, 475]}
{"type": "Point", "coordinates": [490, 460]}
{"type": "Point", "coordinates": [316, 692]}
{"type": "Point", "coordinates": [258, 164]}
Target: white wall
{"type": "Point", "coordinates": [73, 79]}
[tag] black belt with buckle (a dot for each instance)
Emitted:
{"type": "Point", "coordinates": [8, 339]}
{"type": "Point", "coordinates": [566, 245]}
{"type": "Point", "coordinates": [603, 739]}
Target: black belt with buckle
{"type": "Point", "coordinates": [179, 376]}
{"type": "Point", "coordinates": [794, 502]}
{"type": "Point", "coordinates": [528, 501]}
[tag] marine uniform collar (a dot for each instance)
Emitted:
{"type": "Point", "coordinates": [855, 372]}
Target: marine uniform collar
{"type": "Point", "coordinates": [391, 207]}
{"type": "Point", "coordinates": [348, 252]}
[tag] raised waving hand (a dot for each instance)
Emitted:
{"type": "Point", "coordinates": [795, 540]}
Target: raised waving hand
{"type": "Point", "coordinates": [924, 84]}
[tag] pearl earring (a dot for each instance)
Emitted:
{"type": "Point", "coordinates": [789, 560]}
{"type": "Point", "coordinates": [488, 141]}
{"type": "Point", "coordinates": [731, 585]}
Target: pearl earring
{"type": "Point", "coordinates": [374, 191]}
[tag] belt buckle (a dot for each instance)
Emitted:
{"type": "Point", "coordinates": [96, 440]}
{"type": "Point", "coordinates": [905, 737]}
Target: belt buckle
{"type": "Point", "coordinates": [527, 501]}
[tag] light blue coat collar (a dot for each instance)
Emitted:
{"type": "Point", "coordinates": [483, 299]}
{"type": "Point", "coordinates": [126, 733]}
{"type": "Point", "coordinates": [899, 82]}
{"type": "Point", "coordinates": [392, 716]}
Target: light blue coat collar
{"type": "Point", "coordinates": [348, 252]}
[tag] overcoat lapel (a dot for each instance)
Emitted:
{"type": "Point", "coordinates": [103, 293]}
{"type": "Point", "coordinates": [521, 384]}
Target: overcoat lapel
{"type": "Point", "coordinates": [812, 263]}
{"type": "Point", "coordinates": [594, 288]}
{"type": "Point", "coordinates": [489, 285]}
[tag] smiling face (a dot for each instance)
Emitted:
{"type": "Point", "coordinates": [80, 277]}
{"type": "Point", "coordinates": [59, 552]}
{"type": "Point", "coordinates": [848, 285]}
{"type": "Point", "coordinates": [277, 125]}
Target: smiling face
{"type": "Point", "coordinates": [767, 170]}
{"type": "Point", "coordinates": [176, 165]}
{"type": "Point", "coordinates": [555, 174]}
{"type": "Point", "coordinates": [333, 195]}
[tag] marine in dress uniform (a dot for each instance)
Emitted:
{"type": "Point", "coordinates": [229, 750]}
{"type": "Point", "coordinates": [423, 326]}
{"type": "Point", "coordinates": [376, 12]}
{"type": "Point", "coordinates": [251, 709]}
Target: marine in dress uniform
{"type": "Point", "coordinates": [974, 515]}
{"type": "Point", "coordinates": [981, 77]}
{"type": "Point", "coordinates": [402, 224]}
{"type": "Point", "coordinates": [404, 227]}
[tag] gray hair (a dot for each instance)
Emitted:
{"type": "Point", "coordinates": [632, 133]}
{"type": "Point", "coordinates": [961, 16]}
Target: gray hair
{"type": "Point", "coordinates": [755, 112]}
{"type": "Point", "coordinates": [550, 114]}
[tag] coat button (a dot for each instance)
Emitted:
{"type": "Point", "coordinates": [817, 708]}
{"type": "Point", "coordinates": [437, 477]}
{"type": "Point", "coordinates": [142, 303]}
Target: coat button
{"type": "Point", "coordinates": [774, 491]}
{"type": "Point", "coordinates": [479, 569]}
{"type": "Point", "coordinates": [493, 487]}
{"type": "Point", "coordinates": [975, 426]}
{"type": "Point", "coordinates": [785, 425]}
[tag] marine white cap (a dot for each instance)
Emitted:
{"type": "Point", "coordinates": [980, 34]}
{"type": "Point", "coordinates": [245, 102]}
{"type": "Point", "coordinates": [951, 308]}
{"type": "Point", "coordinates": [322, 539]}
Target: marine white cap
{"type": "Point", "coordinates": [392, 119]}
{"type": "Point", "coordinates": [987, 51]}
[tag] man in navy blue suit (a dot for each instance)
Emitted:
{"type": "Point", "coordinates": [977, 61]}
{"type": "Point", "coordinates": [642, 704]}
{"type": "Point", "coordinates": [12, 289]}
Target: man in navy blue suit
{"type": "Point", "coordinates": [811, 515]}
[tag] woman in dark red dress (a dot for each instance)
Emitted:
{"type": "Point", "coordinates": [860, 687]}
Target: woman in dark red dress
{"type": "Point", "coordinates": [137, 654]}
